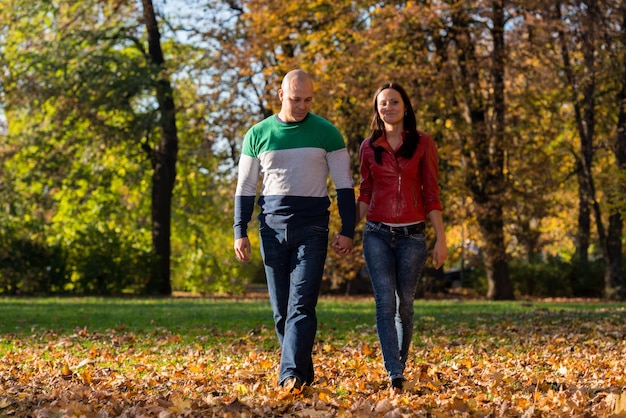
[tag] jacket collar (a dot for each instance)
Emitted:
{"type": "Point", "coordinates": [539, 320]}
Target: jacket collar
{"type": "Point", "coordinates": [382, 142]}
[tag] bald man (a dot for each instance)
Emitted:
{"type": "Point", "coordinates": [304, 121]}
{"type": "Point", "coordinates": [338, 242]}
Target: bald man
{"type": "Point", "coordinates": [295, 150]}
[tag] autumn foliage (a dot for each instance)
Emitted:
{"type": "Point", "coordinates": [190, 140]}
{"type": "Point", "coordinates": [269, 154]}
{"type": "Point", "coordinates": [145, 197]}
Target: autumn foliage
{"type": "Point", "coordinates": [525, 100]}
{"type": "Point", "coordinates": [536, 362]}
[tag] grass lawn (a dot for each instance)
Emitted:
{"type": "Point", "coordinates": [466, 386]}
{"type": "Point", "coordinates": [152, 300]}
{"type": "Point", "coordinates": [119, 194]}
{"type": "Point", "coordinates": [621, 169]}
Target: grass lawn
{"type": "Point", "coordinates": [193, 316]}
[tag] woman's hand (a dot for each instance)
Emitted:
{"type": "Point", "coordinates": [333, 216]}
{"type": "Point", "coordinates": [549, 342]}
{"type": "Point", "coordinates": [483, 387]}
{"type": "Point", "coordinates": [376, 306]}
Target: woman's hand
{"type": "Point", "coordinates": [342, 245]}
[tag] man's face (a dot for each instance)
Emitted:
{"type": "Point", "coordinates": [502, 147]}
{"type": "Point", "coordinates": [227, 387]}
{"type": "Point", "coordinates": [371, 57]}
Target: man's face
{"type": "Point", "coordinates": [296, 100]}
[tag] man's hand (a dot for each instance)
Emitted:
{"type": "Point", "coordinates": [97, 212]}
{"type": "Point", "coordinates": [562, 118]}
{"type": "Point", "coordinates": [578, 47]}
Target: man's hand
{"type": "Point", "coordinates": [242, 249]}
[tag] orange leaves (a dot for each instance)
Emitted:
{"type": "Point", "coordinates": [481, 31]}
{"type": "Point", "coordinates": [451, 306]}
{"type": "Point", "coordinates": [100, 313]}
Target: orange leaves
{"type": "Point", "coordinates": [367, 350]}
{"type": "Point", "coordinates": [179, 405]}
{"type": "Point", "coordinates": [506, 369]}
{"type": "Point", "coordinates": [66, 373]}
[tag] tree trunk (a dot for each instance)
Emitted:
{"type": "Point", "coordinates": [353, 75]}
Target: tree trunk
{"type": "Point", "coordinates": [584, 108]}
{"type": "Point", "coordinates": [500, 286]}
{"type": "Point", "coordinates": [584, 201]}
{"type": "Point", "coordinates": [163, 160]}
{"type": "Point", "coordinates": [584, 219]}
{"type": "Point", "coordinates": [483, 150]}
{"type": "Point", "coordinates": [490, 219]}
{"type": "Point", "coordinates": [613, 275]}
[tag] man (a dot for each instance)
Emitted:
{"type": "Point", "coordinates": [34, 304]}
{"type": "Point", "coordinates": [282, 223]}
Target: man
{"type": "Point", "coordinates": [295, 150]}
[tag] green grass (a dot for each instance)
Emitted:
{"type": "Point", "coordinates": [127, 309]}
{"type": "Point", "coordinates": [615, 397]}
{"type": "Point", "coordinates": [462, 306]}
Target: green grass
{"type": "Point", "coordinates": [23, 315]}
{"type": "Point", "coordinates": [344, 319]}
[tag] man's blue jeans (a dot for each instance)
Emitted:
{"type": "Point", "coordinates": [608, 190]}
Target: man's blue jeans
{"type": "Point", "coordinates": [394, 263]}
{"type": "Point", "coordinates": [294, 264]}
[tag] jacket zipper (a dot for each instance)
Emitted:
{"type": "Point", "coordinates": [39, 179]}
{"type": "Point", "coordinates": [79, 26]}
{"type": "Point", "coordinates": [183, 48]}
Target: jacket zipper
{"type": "Point", "coordinates": [399, 189]}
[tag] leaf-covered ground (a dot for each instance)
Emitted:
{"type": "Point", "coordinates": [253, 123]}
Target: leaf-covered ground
{"type": "Point", "coordinates": [539, 364]}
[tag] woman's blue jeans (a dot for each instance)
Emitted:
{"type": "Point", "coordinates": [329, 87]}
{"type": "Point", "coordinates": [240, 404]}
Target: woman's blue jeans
{"type": "Point", "coordinates": [394, 263]}
{"type": "Point", "coordinates": [294, 264]}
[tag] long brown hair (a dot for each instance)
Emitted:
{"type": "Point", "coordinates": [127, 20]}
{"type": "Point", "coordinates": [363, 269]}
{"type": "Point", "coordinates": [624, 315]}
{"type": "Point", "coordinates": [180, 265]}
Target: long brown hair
{"type": "Point", "coordinates": [410, 124]}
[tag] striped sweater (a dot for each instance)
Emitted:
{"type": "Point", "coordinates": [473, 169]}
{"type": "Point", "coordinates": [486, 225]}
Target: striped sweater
{"type": "Point", "coordinates": [294, 160]}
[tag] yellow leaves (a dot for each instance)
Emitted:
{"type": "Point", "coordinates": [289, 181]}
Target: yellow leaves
{"type": "Point", "coordinates": [179, 405]}
{"type": "Point", "coordinates": [4, 403]}
{"type": "Point", "coordinates": [551, 372]}
{"type": "Point", "coordinates": [241, 389]}
{"type": "Point", "coordinates": [618, 401]}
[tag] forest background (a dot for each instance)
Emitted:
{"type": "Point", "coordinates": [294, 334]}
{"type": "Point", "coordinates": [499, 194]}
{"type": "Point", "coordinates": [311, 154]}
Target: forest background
{"type": "Point", "coordinates": [122, 123]}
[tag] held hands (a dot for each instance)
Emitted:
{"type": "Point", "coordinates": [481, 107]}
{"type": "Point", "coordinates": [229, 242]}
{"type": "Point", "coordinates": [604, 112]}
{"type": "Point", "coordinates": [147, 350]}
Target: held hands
{"type": "Point", "coordinates": [342, 245]}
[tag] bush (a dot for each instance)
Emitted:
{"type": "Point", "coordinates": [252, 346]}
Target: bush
{"type": "Point", "coordinates": [94, 262]}
{"type": "Point", "coordinates": [29, 267]}
{"type": "Point", "coordinates": [557, 278]}
{"type": "Point", "coordinates": [105, 262]}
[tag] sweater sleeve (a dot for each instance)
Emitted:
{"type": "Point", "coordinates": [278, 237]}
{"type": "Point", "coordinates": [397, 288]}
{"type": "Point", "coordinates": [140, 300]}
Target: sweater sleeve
{"type": "Point", "coordinates": [347, 211]}
{"type": "Point", "coordinates": [245, 194]}
{"type": "Point", "coordinates": [339, 164]}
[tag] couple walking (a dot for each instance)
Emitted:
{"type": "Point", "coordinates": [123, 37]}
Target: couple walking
{"type": "Point", "coordinates": [295, 150]}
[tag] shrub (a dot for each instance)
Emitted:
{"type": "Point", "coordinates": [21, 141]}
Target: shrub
{"type": "Point", "coordinates": [556, 277]}
{"type": "Point", "coordinates": [29, 267]}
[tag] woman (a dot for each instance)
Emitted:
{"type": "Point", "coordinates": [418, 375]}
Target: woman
{"type": "Point", "coordinates": [399, 188]}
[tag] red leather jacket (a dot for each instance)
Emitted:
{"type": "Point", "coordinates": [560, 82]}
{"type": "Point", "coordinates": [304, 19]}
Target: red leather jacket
{"type": "Point", "coordinates": [400, 190]}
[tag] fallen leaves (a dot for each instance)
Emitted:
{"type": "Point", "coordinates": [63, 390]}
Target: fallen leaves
{"type": "Point", "coordinates": [539, 366]}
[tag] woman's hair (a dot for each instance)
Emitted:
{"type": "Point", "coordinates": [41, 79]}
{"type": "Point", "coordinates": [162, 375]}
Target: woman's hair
{"type": "Point", "coordinates": [410, 124]}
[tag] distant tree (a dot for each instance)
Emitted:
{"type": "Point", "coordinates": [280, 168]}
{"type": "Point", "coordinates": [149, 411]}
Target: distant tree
{"type": "Point", "coordinates": [475, 57]}
{"type": "Point", "coordinates": [79, 87]}
{"type": "Point", "coordinates": [163, 156]}
{"type": "Point", "coordinates": [615, 285]}
{"type": "Point", "coordinates": [586, 33]}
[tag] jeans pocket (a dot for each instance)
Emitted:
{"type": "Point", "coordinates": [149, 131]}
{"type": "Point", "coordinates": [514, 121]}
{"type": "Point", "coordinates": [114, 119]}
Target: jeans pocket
{"type": "Point", "coordinates": [318, 229]}
{"type": "Point", "coordinates": [369, 227]}
{"type": "Point", "coordinates": [417, 237]}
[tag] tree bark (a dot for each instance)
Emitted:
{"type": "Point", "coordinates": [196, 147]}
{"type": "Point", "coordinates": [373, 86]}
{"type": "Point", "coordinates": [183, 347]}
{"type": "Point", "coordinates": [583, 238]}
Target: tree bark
{"type": "Point", "coordinates": [500, 286]}
{"type": "Point", "coordinates": [163, 160]}
{"type": "Point", "coordinates": [585, 113]}
{"type": "Point", "coordinates": [483, 151]}
{"type": "Point", "coordinates": [584, 110]}
{"type": "Point", "coordinates": [613, 275]}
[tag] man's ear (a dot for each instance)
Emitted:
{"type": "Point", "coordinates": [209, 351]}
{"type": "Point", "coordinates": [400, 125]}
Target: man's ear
{"type": "Point", "coordinates": [281, 93]}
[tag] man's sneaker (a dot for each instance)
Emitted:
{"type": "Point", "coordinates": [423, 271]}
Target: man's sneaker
{"type": "Point", "coordinates": [292, 384]}
{"type": "Point", "coordinates": [397, 383]}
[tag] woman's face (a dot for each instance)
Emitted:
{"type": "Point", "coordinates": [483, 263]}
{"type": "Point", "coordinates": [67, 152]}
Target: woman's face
{"type": "Point", "coordinates": [390, 106]}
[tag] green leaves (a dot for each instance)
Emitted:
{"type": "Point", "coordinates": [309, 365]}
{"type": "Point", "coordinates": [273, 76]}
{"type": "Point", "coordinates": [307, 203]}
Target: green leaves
{"type": "Point", "coordinates": [78, 94]}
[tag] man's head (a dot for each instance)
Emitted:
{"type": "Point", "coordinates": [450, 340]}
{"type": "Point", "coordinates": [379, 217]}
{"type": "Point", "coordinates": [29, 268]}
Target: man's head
{"type": "Point", "coordinates": [296, 96]}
